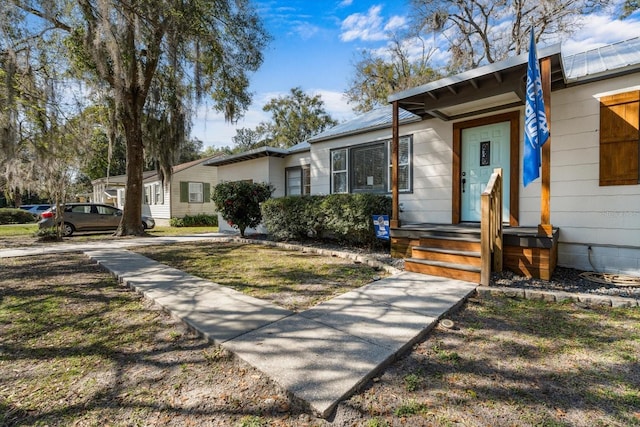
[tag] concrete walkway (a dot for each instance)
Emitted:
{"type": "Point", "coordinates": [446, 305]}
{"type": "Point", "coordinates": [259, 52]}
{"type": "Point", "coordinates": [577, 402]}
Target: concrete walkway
{"type": "Point", "coordinates": [119, 243]}
{"type": "Point", "coordinates": [321, 355]}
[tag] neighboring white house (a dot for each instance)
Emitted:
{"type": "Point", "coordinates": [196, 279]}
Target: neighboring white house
{"type": "Point", "coordinates": [188, 192]}
{"type": "Point", "coordinates": [453, 133]}
{"type": "Point", "coordinates": [287, 170]}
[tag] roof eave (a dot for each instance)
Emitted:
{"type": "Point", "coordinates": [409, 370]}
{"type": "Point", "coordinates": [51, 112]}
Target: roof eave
{"type": "Point", "coordinates": [470, 75]}
{"type": "Point", "coordinates": [363, 130]}
{"type": "Point", "coordinates": [248, 155]}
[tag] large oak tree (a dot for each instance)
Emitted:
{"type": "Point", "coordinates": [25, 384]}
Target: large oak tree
{"type": "Point", "coordinates": [403, 64]}
{"type": "Point", "coordinates": [486, 31]}
{"type": "Point", "coordinates": [154, 58]}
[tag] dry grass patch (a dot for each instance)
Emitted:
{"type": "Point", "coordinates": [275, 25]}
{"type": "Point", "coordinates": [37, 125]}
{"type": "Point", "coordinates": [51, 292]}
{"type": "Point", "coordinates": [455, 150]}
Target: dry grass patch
{"type": "Point", "coordinates": [295, 280]}
{"type": "Point", "coordinates": [78, 349]}
{"type": "Point", "coordinates": [517, 362]}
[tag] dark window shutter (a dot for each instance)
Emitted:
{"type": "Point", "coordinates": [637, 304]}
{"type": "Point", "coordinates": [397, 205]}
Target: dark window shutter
{"type": "Point", "coordinates": [206, 192]}
{"type": "Point", "coordinates": [620, 139]}
{"type": "Point", "coordinates": [184, 192]}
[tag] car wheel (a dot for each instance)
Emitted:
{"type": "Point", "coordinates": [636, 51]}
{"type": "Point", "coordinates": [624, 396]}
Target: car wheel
{"type": "Point", "coordinates": [67, 229]}
{"type": "Point", "coordinates": [144, 226]}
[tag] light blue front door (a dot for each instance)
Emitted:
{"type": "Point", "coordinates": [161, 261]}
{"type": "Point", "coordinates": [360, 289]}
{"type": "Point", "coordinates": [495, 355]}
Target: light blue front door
{"type": "Point", "coordinates": [484, 148]}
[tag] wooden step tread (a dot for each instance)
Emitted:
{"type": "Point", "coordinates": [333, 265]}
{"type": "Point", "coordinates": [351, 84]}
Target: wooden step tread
{"type": "Point", "coordinates": [443, 264]}
{"type": "Point", "coordinates": [452, 238]}
{"type": "Point", "coordinates": [447, 251]}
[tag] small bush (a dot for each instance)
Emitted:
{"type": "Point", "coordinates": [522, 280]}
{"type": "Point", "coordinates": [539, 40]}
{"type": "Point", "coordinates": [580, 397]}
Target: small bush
{"type": "Point", "coordinates": [49, 234]}
{"type": "Point", "coordinates": [15, 216]}
{"type": "Point", "coordinates": [293, 217]}
{"type": "Point", "coordinates": [200, 220]}
{"type": "Point", "coordinates": [349, 216]}
{"type": "Point", "coordinates": [410, 408]}
{"type": "Point", "coordinates": [412, 382]}
{"type": "Point", "coordinates": [344, 217]}
{"type": "Point", "coordinates": [239, 202]}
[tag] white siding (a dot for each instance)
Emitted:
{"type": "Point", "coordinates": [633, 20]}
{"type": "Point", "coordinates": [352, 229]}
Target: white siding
{"type": "Point", "coordinates": [297, 159]}
{"type": "Point", "coordinates": [599, 226]}
{"type": "Point", "coordinates": [159, 211]}
{"type": "Point", "coordinates": [430, 200]}
{"type": "Point", "coordinates": [198, 173]}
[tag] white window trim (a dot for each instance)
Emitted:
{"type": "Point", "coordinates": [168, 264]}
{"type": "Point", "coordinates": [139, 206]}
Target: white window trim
{"type": "Point", "coordinates": [158, 194]}
{"type": "Point", "coordinates": [341, 171]}
{"type": "Point", "coordinates": [196, 195]}
{"type": "Point", "coordinates": [408, 139]}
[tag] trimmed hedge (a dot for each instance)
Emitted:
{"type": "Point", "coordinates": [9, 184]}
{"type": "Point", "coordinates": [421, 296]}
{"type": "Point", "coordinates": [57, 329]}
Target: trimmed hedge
{"type": "Point", "coordinates": [15, 216]}
{"type": "Point", "coordinates": [199, 220]}
{"type": "Point", "coordinates": [344, 217]}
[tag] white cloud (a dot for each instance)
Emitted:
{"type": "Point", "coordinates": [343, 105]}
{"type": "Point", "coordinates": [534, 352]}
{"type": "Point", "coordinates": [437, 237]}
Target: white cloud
{"type": "Point", "coordinates": [211, 128]}
{"type": "Point", "coordinates": [305, 30]}
{"type": "Point", "coordinates": [395, 22]}
{"type": "Point", "coordinates": [600, 30]}
{"type": "Point", "coordinates": [345, 3]}
{"type": "Point", "coordinates": [364, 27]}
{"type": "Point", "coordinates": [335, 103]}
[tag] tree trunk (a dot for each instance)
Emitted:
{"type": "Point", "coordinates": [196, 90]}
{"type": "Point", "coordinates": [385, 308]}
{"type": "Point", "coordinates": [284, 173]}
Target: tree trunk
{"type": "Point", "coordinates": [131, 223]}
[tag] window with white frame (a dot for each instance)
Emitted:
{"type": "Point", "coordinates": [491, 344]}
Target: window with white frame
{"type": "Point", "coordinates": [404, 165]}
{"type": "Point", "coordinates": [366, 168]}
{"type": "Point", "coordinates": [339, 176]}
{"type": "Point", "coordinates": [147, 194]}
{"type": "Point", "coordinates": [195, 192]}
{"type": "Point", "coordinates": [368, 165]}
{"type": "Point", "coordinates": [158, 194]}
{"type": "Point", "coordinates": [298, 180]}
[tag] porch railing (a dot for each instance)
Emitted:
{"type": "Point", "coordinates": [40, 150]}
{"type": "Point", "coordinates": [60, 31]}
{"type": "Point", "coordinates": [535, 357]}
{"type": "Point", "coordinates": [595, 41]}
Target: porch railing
{"type": "Point", "coordinates": [491, 227]}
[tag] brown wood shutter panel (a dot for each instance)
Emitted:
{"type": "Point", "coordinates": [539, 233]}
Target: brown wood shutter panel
{"type": "Point", "coordinates": [620, 139]}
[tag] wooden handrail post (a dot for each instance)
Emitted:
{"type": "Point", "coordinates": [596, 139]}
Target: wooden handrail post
{"type": "Point", "coordinates": [491, 227]}
{"type": "Point", "coordinates": [485, 242]}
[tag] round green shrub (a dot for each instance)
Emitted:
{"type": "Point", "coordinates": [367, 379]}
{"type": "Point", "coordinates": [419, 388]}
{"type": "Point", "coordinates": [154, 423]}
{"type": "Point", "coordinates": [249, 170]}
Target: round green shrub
{"type": "Point", "coordinates": [15, 216]}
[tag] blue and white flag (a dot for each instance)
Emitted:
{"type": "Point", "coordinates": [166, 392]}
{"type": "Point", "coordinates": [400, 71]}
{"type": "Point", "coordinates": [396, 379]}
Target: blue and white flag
{"type": "Point", "coordinates": [536, 129]}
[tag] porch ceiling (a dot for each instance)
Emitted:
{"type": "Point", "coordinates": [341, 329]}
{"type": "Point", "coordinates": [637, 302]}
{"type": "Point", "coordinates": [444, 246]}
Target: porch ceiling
{"type": "Point", "coordinates": [489, 88]}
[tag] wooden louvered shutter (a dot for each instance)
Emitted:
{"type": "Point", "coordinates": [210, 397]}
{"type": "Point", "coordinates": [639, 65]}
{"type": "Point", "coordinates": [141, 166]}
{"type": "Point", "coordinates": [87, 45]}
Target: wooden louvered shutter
{"type": "Point", "coordinates": [620, 139]}
{"type": "Point", "coordinates": [206, 192]}
{"type": "Point", "coordinates": [184, 192]}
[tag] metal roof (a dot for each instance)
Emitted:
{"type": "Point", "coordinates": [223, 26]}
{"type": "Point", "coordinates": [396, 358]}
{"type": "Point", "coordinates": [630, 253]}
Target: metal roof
{"type": "Point", "coordinates": [379, 118]}
{"type": "Point", "coordinates": [501, 85]}
{"type": "Point", "coordinates": [606, 61]}
{"type": "Point", "coordinates": [256, 153]}
{"type": "Point", "coordinates": [299, 147]}
{"type": "Point", "coordinates": [484, 89]}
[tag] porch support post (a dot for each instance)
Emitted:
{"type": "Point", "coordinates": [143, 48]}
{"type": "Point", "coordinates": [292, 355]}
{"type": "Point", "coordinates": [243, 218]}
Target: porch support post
{"type": "Point", "coordinates": [545, 228]}
{"type": "Point", "coordinates": [395, 140]}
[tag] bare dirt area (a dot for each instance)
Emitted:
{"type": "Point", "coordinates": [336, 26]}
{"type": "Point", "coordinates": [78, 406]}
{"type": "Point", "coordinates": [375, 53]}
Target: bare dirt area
{"type": "Point", "coordinates": [78, 349]}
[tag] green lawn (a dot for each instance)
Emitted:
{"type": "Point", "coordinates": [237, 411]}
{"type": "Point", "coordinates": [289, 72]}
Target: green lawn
{"type": "Point", "coordinates": [18, 229]}
{"type": "Point", "coordinates": [28, 230]}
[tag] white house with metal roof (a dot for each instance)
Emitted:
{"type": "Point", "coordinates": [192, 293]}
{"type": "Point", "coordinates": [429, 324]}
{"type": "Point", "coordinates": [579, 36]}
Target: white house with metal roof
{"type": "Point", "coordinates": [287, 170]}
{"type": "Point", "coordinates": [451, 134]}
{"type": "Point", "coordinates": [187, 192]}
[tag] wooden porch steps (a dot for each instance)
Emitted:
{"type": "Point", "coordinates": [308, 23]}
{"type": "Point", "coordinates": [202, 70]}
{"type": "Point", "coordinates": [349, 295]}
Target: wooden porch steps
{"type": "Point", "coordinates": [451, 254]}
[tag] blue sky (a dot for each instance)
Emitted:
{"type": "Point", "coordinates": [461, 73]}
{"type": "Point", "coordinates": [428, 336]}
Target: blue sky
{"type": "Point", "coordinates": [316, 42]}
